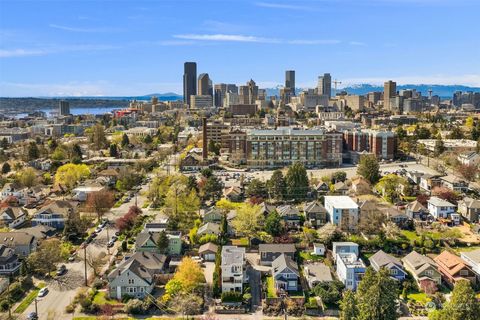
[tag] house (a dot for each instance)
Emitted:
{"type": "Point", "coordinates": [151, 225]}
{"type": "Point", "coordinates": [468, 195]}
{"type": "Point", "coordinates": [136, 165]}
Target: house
{"type": "Point", "coordinates": [233, 193]}
{"type": "Point", "coordinates": [469, 209]}
{"type": "Point", "coordinates": [209, 228]}
{"type": "Point", "coordinates": [366, 207]}
{"type": "Point", "coordinates": [147, 241]}
{"type": "Point", "coordinates": [360, 186]}
{"type": "Point", "coordinates": [40, 232]}
{"type": "Point", "coordinates": [453, 269]}
{"type": "Point", "coordinates": [453, 183]}
{"type": "Point", "coordinates": [192, 162]}
{"type": "Point", "coordinates": [14, 190]}
{"type": "Point", "coordinates": [285, 273]}
{"type": "Point", "coordinates": [318, 249]}
{"type": "Point", "coordinates": [398, 217]}
{"type": "Point", "coordinates": [470, 158]}
{"type": "Point", "coordinates": [290, 215]}
{"type": "Point", "coordinates": [383, 260]}
{"type": "Point", "coordinates": [208, 251]}
{"type": "Point", "coordinates": [9, 262]}
{"type": "Point", "coordinates": [265, 208]}
{"type": "Point", "coordinates": [344, 247]}
{"type": "Point", "coordinates": [424, 270]}
{"type": "Point", "coordinates": [135, 276]}
{"type": "Point", "coordinates": [340, 188]}
{"type": "Point", "coordinates": [12, 217]}
{"type": "Point", "coordinates": [110, 176]}
{"type": "Point", "coordinates": [316, 273]}
{"type": "Point", "coordinates": [440, 208]}
{"type": "Point", "coordinates": [23, 243]}
{"type": "Point", "coordinates": [81, 193]}
{"type": "Point", "coordinates": [342, 211]}
{"type": "Point", "coordinates": [271, 251]}
{"type": "Point", "coordinates": [472, 259]}
{"type": "Point", "coordinates": [350, 269]}
{"type": "Point", "coordinates": [428, 182]}
{"type": "Point", "coordinates": [159, 224]}
{"type": "Point", "coordinates": [213, 214]}
{"type": "Point", "coordinates": [315, 214]}
{"type": "Point", "coordinates": [416, 211]}
{"type": "Point", "coordinates": [233, 268]}
{"type": "Point", "coordinates": [54, 214]}
{"type": "Point", "coordinates": [322, 188]}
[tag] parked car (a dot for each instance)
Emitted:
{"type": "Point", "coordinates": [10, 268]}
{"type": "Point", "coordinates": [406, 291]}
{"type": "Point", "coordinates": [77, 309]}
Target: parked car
{"type": "Point", "coordinates": [72, 257]}
{"type": "Point", "coordinates": [32, 316]}
{"type": "Point", "coordinates": [61, 270]}
{"type": "Point", "coordinates": [43, 292]}
{"type": "Point", "coordinates": [110, 244]}
{"type": "Point", "coordinates": [98, 229]}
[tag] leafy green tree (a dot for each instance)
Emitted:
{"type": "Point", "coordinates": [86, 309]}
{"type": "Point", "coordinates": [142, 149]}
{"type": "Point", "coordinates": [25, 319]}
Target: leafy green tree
{"type": "Point", "coordinates": [256, 188]}
{"type": "Point", "coordinates": [439, 146]}
{"type": "Point", "coordinates": [6, 168]}
{"type": "Point", "coordinates": [206, 172]}
{"type": "Point", "coordinates": [369, 168]}
{"type": "Point", "coordinates": [376, 296]}
{"type": "Point", "coordinates": [33, 152]}
{"type": "Point", "coordinates": [329, 292]}
{"type": "Point", "coordinates": [348, 306]}
{"type": "Point", "coordinates": [43, 260]}
{"type": "Point", "coordinates": [4, 144]}
{"type": "Point", "coordinates": [213, 147]}
{"type": "Point", "coordinates": [97, 136]}
{"type": "Point", "coordinates": [76, 153]}
{"type": "Point", "coordinates": [148, 139]}
{"type": "Point", "coordinates": [277, 187]}
{"type": "Point", "coordinates": [297, 182]}
{"type": "Point", "coordinates": [27, 177]}
{"type": "Point", "coordinates": [192, 183]}
{"type": "Point", "coordinates": [463, 304]}
{"type": "Point", "coordinates": [162, 242]}
{"type": "Point", "coordinates": [274, 224]}
{"type": "Point", "coordinates": [212, 188]}
{"type": "Point", "coordinates": [248, 220]}
{"type": "Point", "coordinates": [339, 176]}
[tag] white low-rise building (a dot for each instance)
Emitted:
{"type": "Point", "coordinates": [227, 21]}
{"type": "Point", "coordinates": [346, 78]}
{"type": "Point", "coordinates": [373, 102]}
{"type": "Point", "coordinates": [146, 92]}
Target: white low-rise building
{"type": "Point", "coordinates": [440, 208]}
{"type": "Point", "coordinates": [342, 211]}
{"type": "Point", "coordinates": [233, 268]}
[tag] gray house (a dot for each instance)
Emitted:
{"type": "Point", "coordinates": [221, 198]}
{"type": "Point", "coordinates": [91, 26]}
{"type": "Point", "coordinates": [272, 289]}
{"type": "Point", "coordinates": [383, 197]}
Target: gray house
{"type": "Point", "coordinates": [135, 276]}
{"type": "Point", "coordinates": [316, 273]}
{"type": "Point", "coordinates": [315, 213]}
{"type": "Point", "coordinates": [22, 242]}
{"type": "Point", "coordinates": [469, 209]}
{"type": "Point", "coordinates": [285, 274]}
{"type": "Point", "coordinates": [271, 251]}
{"type": "Point", "coordinates": [9, 263]}
{"type": "Point", "coordinates": [383, 260]}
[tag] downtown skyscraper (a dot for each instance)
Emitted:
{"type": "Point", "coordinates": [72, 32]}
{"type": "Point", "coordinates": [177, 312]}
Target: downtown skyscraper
{"type": "Point", "coordinates": [189, 81]}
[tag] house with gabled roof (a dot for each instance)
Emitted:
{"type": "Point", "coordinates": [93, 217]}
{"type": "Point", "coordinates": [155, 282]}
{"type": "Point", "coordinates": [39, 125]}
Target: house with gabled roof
{"type": "Point", "coordinates": [271, 251]}
{"type": "Point", "coordinates": [469, 208]}
{"type": "Point", "coordinates": [416, 211]}
{"type": "Point", "coordinates": [54, 214]}
{"type": "Point", "coordinates": [424, 270]}
{"type": "Point", "coordinates": [285, 273]}
{"type": "Point", "coordinates": [147, 241]}
{"type": "Point", "coordinates": [290, 214]}
{"type": "Point", "coordinates": [383, 260]}
{"type": "Point", "coordinates": [135, 276]}
{"type": "Point", "coordinates": [12, 217]}
{"type": "Point", "coordinates": [9, 262]}
{"type": "Point", "coordinates": [315, 213]}
{"type": "Point", "coordinates": [453, 269]}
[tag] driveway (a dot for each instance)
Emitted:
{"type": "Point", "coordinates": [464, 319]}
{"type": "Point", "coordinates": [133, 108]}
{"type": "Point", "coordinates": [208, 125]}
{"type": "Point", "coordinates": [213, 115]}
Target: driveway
{"type": "Point", "coordinates": [255, 281]}
{"type": "Point", "coordinates": [208, 271]}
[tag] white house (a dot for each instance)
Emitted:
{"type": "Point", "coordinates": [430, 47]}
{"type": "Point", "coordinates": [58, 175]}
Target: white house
{"type": "Point", "coordinates": [318, 249]}
{"type": "Point", "coordinates": [12, 217]}
{"type": "Point", "coordinates": [472, 258]}
{"type": "Point", "coordinates": [342, 211]}
{"type": "Point", "coordinates": [344, 247]}
{"type": "Point", "coordinates": [233, 268]}
{"type": "Point", "coordinates": [469, 158]}
{"type": "Point", "coordinates": [81, 193]}
{"type": "Point", "coordinates": [440, 208]}
{"type": "Point", "coordinates": [350, 269]}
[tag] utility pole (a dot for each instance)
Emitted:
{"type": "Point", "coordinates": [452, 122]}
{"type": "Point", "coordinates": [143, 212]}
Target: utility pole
{"type": "Point", "coordinates": [8, 295]}
{"type": "Point", "coordinates": [36, 308]}
{"type": "Point", "coordinates": [85, 260]}
{"type": "Point", "coordinates": [108, 237]}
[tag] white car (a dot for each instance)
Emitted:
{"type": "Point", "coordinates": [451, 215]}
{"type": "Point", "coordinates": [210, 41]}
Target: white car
{"type": "Point", "coordinates": [43, 292]}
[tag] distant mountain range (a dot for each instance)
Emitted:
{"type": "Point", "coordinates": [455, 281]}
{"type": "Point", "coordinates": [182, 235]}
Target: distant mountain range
{"type": "Point", "coordinates": [444, 91]}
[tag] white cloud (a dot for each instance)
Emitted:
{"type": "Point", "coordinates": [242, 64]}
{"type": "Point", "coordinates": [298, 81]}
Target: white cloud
{"type": "Point", "coordinates": [9, 53]}
{"type": "Point", "coordinates": [313, 42]}
{"type": "Point", "coordinates": [357, 43]}
{"type": "Point", "coordinates": [22, 52]}
{"type": "Point", "coordinates": [86, 30]}
{"type": "Point", "coordinates": [277, 5]}
{"type": "Point", "coordinates": [225, 37]}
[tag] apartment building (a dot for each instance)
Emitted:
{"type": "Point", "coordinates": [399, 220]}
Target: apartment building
{"type": "Point", "coordinates": [233, 268]}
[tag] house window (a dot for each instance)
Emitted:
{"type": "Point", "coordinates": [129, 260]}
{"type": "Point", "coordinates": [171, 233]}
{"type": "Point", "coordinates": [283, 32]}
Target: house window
{"type": "Point", "coordinates": [464, 272]}
{"type": "Point", "coordinates": [131, 281]}
{"type": "Point", "coordinates": [429, 272]}
{"type": "Point", "coordinates": [393, 272]}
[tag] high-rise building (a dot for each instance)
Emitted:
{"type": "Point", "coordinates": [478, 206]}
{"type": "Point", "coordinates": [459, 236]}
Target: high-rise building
{"type": "Point", "coordinates": [252, 91]}
{"type": "Point", "coordinates": [64, 108]}
{"type": "Point", "coordinates": [290, 81]}
{"type": "Point", "coordinates": [200, 102]}
{"type": "Point", "coordinates": [189, 81]}
{"type": "Point", "coordinates": [325, 85]}
{"type": "Point", "coordinates": [221, 91]}
{"type": "Point", "coordinates": [389, 91]}
{"type": "Point", "coordinates": [204, 85]}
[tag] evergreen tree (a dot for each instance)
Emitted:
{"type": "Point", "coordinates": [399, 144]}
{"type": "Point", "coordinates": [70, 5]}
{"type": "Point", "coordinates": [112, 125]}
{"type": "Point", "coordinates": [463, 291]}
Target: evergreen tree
{"type": "Point", "coordinates": [33, 152]}
{"type": "Point", "coordinates": [4, 143]}
{"type": "Point", "coordinates": [277, 187]}
{"type": "Point", "coordinates": [463, 304]}
{"type": "Point", "coordinates": [125, 141]}
{"type": "Point", "coordinates": [348, 306]}
{"type": "Point", "coordinates": [6, 168]}
{"type": "Point", "coordinates": [113, 150]}
{"type": "Point", "coordinates": [192, 183]}
{"type": "Point", "coordinates": [256, 188]}
{"type": "Point", "coordinates": [369, 168]}
{"type": "Point", "coordinates": [273, 224]}
{"type": "Point", "coordinates": [297, 182]}
{"type": "Point", "coordinates": [213, 188]}
{"type": "Point", "coordinates": [148, 139]}
{"type": "Point", "coordinates": [439, 146]}
{"type": "Point", "coordinates": [162, 242]}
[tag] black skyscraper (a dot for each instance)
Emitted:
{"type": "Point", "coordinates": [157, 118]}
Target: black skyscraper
{"type": "Point", "coordinates": [189, 81]}
{"type": "Point", "coordinates": [290, 81]}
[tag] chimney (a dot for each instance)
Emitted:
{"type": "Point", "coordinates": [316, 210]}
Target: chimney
{"type": "Point", "coordinates": [205, 140]}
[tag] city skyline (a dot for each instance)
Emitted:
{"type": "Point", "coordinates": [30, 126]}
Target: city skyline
{"type": "Point", "coordinates": [135, 48]}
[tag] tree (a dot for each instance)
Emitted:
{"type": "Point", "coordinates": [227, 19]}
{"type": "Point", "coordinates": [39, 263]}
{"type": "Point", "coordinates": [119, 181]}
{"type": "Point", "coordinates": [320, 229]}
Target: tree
{"type": "Point", "coordinates": [76, 153]}
{"type": "Point", "coordinates": [125, 141]}
{"type": "Point", "coordinates": [76, 225]}
{"type": "Point", "coordinates": [277, 187]}
{"type": "Point", "coordinates": [113, 150]}
{"type": "Point", "coordinates": [189, 274]}
{"type": "Point", "coordinates": [348, 306]}
{"type": "Point", "coordinates": [469, 172]}
{"type": "Point", "coordinates": [213, 147]}
{"type": "Point", "coordinates": [462, 305]}
{"type": "Point", "coordinates": [97, 136]}
{"type": "Point", "coordinates": [339, 176]}
{"type": "Point", "coordinates": [376, 296]}
{"type": "Point", "coordinates": [127, 179]}
{"type": "Point", "coordinates": [371, 221]}
{"type": "Point", "coordinates": [148, 139]}
{"type": "Point", "coordinates": [6, 168]}
{"type": "Point", "coordinates": [4, 144]}
{"type": "Point", "coordinates": [212, 188]}
{"type": "Point", "coordinates": [368, 168]}
{"type": "Point", "coordinates": [100, 202]}
{"type": "Point", "coordinates": [273, 224]}
{"type": "Point", "coordinates": [27, 177]}
{"type": "Point", "coordinates": [256, 188]}
{"type": "Point", "coordinates": [96, 261]}
{"type": "Point", "coordinates": [187, 304]}
{"type": "Point", "coordinates": [329, 292]}
{"type": "Point", "coordinates": [192, 183]}
{"type": "Point", "coordinates": [297, 181]}
{"type": "Point", "coordinates": [70, 174]}
{"type": "Point", "coordinates": [162, 242]}
{"type": "Point", "coordinates": [446, 194]}
{"type": "Point", "coordinates": [390, 186]}
{"type": "Point", "coordinates": [46, 256]}
{"type": "Point", "coordinates": [248, 220]}
{"type": "Point", "coordinates": [439, 146]}
{"type": "Point", "coordinates": [33, 153]}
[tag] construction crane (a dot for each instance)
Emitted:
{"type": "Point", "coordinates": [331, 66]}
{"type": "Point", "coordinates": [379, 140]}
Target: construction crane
{"type": "Point", "coordinates": [430, 94]}
{"type": "Point", "coordinates": [335, 83]}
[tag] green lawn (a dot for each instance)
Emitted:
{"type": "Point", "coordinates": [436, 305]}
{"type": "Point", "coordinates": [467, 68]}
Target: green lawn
{"type": "Point", "coordinates": [410, 235]}
{"type": "Point", "coordinates": [420, 297]}
{"type": "Point", "coordinates": [242, 242]}
{"type": "Point", "coordinates": [101, 298]}
{"type": "Point", "coordinates": [465, 249]}
{"type": "Point", "coordinates": [308, 256]}
{"type": "Point", "coordinates": [271, 292]}
{"type": "Point", "coordinates": [29, 299]}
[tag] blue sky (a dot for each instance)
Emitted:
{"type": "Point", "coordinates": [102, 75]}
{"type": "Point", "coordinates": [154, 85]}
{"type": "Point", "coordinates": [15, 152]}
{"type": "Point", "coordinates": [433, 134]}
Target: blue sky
{"type": "Point", "coordinates": [73, 47]}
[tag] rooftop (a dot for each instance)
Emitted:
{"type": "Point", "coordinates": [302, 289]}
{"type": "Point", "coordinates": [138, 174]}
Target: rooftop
{"type": "Point", "coordinates": [343, 202]}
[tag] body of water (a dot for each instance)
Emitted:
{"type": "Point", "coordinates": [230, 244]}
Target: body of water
{"type": "Point", "coordinates": [76, 111]}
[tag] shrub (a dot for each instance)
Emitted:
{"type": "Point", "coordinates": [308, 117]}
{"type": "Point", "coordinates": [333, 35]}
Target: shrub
{"type": "Point", "coordinates": [232, 297]}
{"type": "Point", "coordinates": [134, 306]}
{"type": "Point", "coordinates": [69, 309]}
{"type": "Point", "coordinates": [97, 284]}
{"type": "Point", "coordinates": [4, 305]}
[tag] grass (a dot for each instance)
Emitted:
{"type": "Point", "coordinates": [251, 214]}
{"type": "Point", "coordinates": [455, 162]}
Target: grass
{"type": "Point", "coordinates": [145, 205]}
{"type": "Point", "coordinates": [271, 292]}
{"type": "Point", "coordinates": [29, 298]}
{"type": "Point", "coordinates": [410, 235]}
{"type": "Point", "coordinates": [465, 249]}
{"type": "Point", "coordinates": [119, 202]}
{"type": "Point", "coordinates": [308, 256]}
{"type": "Point", "coordinates": [242, 242]}
{"type": "Point", "coordinates": [420, 297]}
{"type": "Point", "coordinates": [101, 299]}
